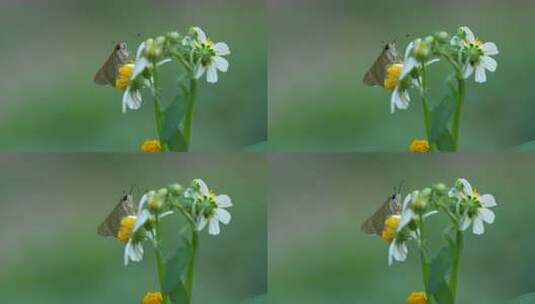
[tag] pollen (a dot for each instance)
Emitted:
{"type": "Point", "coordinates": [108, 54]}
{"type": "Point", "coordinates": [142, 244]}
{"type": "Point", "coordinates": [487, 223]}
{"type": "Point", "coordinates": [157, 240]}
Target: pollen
{"type": "Point", "coordinates": [419, 146]}
{"type": "Point", "coordinates": [123, 78]}
{"type": "Point", "coordinates": [391, 226]}
{"type": "Point", "coordinates": [126, 228]}
{"type": "Point", "coordinates": [151, 146]}
{"type": "Point", "coordinates": [392, 76]}
{"type": "Point", "coordinates": [153, 298]}
{"type": "Point", "coordinates": [417, 298]}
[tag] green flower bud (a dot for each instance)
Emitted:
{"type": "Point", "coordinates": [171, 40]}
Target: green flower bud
{"type": "Point", "coordinates": [442, 37]}
{"type": "Point", "coordinates": [422, 50]}
{"type": "Point", "coordinates": [440, 187]}
{"type": "Point", "coordinates": [173, 36]}
{"type": "Point", "coordinates": [160, 40]}
{"type": "Point", "coordinates": [176, 189]}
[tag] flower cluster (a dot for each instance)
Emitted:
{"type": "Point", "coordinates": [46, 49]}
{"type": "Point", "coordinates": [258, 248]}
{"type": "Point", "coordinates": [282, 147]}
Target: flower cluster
{"type": "Point", "coordinates": [461, 203]}
{"type": "Point", "coordinates": [464, 51]}
{"type": "Point", "coordinates": [199, 204]}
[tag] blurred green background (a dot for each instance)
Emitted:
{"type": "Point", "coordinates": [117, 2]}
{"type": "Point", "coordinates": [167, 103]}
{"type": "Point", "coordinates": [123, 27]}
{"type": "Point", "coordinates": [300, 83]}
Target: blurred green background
{"type": "Point", "coordinates": [51, 51]}
{"type": "Point", "coordinates": [320, 50]}
{"type": "Point", "coordinates": [52, 204]}
{"type": "Point", "coordinates": [317, 253]}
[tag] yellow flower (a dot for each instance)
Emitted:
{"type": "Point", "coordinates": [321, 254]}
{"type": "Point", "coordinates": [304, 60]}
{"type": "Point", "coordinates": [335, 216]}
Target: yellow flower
{"type": "Point", "coordinates": [151, 146]}
{"type": "Point", "coordinates": [123, 79]}
{"type": "Point", "coordinates": [153, 298]}
{"type": "Point", "coordinates": [126, 228]}
{"type": "Point", "coordinates": [392, 76]}
{"type": "Point", "coordinates": [391, 225]}
{"type": "Point", "coordinates": [420, 146]}
{"type": "Point", "coordinates": [417, 298]}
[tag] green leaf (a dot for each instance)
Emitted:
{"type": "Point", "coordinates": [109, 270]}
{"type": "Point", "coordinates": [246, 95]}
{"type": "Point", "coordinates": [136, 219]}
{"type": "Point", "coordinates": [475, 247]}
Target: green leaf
{"type": "Point", "coordinates": [173, 116]}
{"type": "Point", "coordinates": [175, 269]}
{"type": "Point", "coordinates": [440, 266]}
{"type": "Point", "coordinates": [528, 298]}
{"type": "Point", "coordinates": [443, 294]}
{"type": "Point", "coordinates": [261, 299]}
{"type": "Point", "coordinates": [440, 118]}
{"type": "Point", "coordinates": [446, 143]}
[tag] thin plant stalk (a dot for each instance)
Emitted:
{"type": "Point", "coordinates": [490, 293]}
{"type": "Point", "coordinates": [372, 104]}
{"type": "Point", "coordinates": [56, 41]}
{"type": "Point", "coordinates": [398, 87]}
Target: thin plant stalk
{"type": "Point", "coordinates": [455, 265]}
{"type": "Point", "coordinates": [159, 260]}
{"type": "Point", "coordinates": [425, 101]}
{"type": "Point", "coordinates": [423, 258]}
{"type": "Point", "coordinates": [157, 105]}
{"type": "Point", "coordinates": [191, 267]}
{"type": "Point", "coordinates": [458, 110]}
{"type": "Point", "coordinates": [189, 111]}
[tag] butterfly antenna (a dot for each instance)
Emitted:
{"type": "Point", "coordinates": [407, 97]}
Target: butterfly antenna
{"type": "Point", "coordinates": [400, 186]}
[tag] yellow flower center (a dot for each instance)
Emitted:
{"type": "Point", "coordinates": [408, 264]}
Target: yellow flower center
{"type": "Point", "coordinates": [417, 298]}
{"type": "Point", "coordinates": [392, 76]}
{"type": "Point", "coordinates": [153, 298]}
{"type": "Point", "coordinates": [123, 79]}
{"type": "Point", "coordinates": [420, 146]}
{"type": "Point", "coordinates": [391, 225]}
{"type": "Point", "coordinates": [151, 146]}
{"type": "Point", "coordinates": [126, 228]}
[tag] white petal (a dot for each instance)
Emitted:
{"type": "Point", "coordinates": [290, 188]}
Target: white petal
{"type": "Point", "coordinates": [139, 51]}
{"type": "Point", "coordinates": [481, 76]}
{"type": "Point", "coordinates": [142, 202]}
{"type": "Point", "coordinates": [465, 222]}
{"type": "Point", "coordinates": [201, 223]}
{"type": "Point", "coordinates": [211, 73]}
{"type": "Point", "coordinates": [478, 227]}
{"type": "Point", "coordinates": [430, 62]}
{"type": "Point", "coordinates": [221, 49]}
{"type": "Point", "coordinates": [489, 63]}
{"type": "Point", "coordinates": [141, 65]}
{"type": "Point", "coordinates": [486, 215]}
{"type": "Point", "coordinates": [223, 215]}
{"type": "Point", "coordinates": [391, 252]}
{"type": "Point", "coordinates": [408, 66]}
{"type": "Point", "coordinates": [467, 70]}
{"type": "Point", "coordinates": [142, 218]}
{"type": "Point", "coordinates": [467, 188]}
{"type": "Point", "coordinates": [405, 100]}
{"type": "Point", "coordinates": [221, 63]}
{"type": "Point", "coordinates": [470, 37]}
{"type": "Point", "coordinates": [199, 71]}
{"type": "Point", "coordinates": [489, 48]}
{"type": "Point", "coordinates": [487, 200]}
{"type": "Point", "coordinates": [201, 36]}
{"type": "Point", "coordinates": [223, 200]}
{"type": "Point", "coordinates": [428, 214]}
{"type": "Point", "coordinates": [408, 50]}
{"type": "Point", "coordinates": [213, 226]}
{"type": "Point", "coordinates": [125, 100]}
{"type": "Point", "coordinates": [201, 185]}
{"type": "Point", "coordinates": [164, 61]}
{"type": "Point", "coordinates": [126, 256]}
{"type": "Point", "coordinates": [406, 217]}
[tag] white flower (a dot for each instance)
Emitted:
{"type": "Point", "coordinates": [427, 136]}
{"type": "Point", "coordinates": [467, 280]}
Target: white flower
{"type": "Point", "coordinates": [400, 99]}
{"type": "Point", "coordinates": [478, 55]}
{"type": "Point", "coordinates": [398, 251]}
{"type": "Point", "coordinates": [407, 212]}
{"type": "Point", "coordinates": [212, 206]}
{"type": "Point", "coordinates": [210, 55]}
{"type": "Point", "coordinates": [477, 207]}
{"type": "Point", "coordinates": [133, 250]}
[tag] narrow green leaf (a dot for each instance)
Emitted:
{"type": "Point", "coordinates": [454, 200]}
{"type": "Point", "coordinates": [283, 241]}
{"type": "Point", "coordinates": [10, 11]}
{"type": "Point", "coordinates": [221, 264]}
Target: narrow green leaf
{"type": "Point", "coordinates": [440, 266]}
{"type": "Point", "coordinates": [441, 116]}
{"type": "Point", "coordinates": [527, 146]}
{"type": "Point", "coordinates": [443, 294]}
{"type": "Point", "coordinates": [528, 298]}
{"type": "Point", "coordinates": [175, 269]}
{"type": "Point", "coordinates": [173, 116]}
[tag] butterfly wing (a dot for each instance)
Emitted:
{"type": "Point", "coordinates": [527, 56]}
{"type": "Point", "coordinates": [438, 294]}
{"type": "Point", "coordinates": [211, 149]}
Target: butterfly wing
{"type": "Point", "coordinates": [110, 226]}
{"type": "Point", "coordinates": [375, 224]}
{"type": "Point", "coordinates": [375, 76]}
{"type": "Point", "coordinates": [107, 74]}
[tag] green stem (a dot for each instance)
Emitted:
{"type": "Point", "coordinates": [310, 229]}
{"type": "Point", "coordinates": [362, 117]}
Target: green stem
{"type": "Point", "coordinates": [157, 107]}
{"type": "Point", "coordinates": [191, 266]}
{"type": "Point", "coordinates": [159, 260]}
{"type": "Point", "coordinates": [458, 109]}
{"type": "Point", "coordinates": [427, 111]}
{"type": "Point", "coordinates": [456, 262]}
{"type": "Point", "coordinates": [423, 257]}
{"type": "Point", "coordinates": [189, 112]}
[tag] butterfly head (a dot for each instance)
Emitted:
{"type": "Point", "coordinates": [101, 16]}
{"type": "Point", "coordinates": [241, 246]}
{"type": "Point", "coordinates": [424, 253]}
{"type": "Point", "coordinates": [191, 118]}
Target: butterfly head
{"type": "Point", "coordinates": [121, 50]}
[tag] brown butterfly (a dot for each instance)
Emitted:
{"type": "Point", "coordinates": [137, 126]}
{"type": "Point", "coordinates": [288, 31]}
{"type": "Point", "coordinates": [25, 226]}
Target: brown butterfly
{"type": "Point", "coordinates": [109, 70]}
{"type": "Point", "coordinates": [375, 224]}
{"type": "Point", "coordinates": [377, 73]}
{"type": "Point", "coordinates": [110, 226]}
